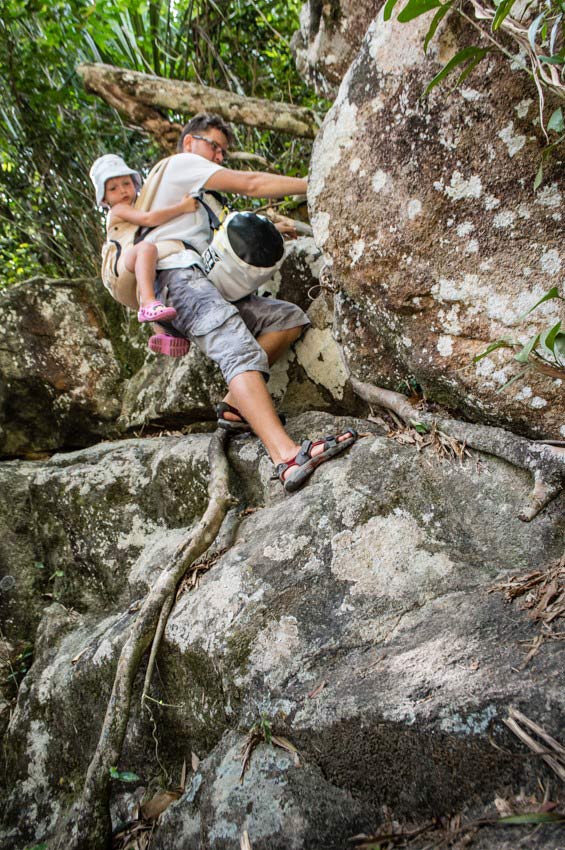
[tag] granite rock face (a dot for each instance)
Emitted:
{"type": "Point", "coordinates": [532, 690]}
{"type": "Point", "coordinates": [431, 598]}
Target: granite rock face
{"type": "Point", "coordinates": [438, 244]}
{"type": "Point", "coordinates": [354, 617]}
{"type": "Point", "coordinates": [65, 352]}
{"type": "Point", "coordinates": [328, 40]}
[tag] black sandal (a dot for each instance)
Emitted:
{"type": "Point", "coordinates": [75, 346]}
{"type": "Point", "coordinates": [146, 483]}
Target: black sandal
{"type": "Point", "coordinates": [240, 427]}
{"type": "Point", "coordinates": [306, 464]}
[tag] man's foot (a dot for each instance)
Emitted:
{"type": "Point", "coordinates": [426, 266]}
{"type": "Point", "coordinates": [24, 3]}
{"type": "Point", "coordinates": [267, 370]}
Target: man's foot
{"type": "Point", "coordinates": [171, 346]}
{"type": "Point", "coordinates": [294, 473]}
{"type": "Point", "coordinates": [230, 419]}
{"type": "Point", "coordinates": [154, 311]}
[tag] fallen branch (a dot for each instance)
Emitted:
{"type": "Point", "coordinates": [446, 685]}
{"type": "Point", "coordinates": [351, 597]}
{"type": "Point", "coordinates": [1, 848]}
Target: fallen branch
{"type": "Point", "coordinates": [138, 95]}
{"type": "Point", "coordinates": [544, 461]}
{"type": "Point", "coordinates": [555, 758]}
{"type": "Point", "coordinates": [88, 826]}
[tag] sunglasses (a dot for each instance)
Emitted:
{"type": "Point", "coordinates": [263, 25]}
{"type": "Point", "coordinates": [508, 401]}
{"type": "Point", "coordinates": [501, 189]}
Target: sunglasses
{"type": "Point", "coordinates": [214, 145]}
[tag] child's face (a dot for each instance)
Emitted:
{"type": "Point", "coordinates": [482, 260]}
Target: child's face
{"type": "Point", "coordinates": [119, 190]}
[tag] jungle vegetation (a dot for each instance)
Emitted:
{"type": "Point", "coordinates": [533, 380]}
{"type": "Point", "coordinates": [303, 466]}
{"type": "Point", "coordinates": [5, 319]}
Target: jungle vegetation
{"type": "Point", "coordinates": [51, 130]}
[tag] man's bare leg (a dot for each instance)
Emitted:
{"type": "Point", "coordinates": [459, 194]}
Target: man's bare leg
{"type": "Point", "coordinates": [274, 344]}
{"type": "Point", "coordinates": [248, 392]}
{"type": "Point", "coordinates": [252, 398]}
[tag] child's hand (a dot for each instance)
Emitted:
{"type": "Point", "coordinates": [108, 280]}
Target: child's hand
{"type": "Point", "coordinates": [189, 204]}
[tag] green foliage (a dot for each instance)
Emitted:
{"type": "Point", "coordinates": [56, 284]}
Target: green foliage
{"type": "Point", "coordinates": [545, 33]}
{"type": "Point", "coordinates": [51, 130]}
{"type": "Point", "coordinates": [544, 349]}
{"type": "Point", "coordinates": [19, 666]}
{"type": "Point", "coordinates": [123, 775]}
{"type": "Point", "coordinates": [469, 57]}
{"type": "Point", "coordinates": [263, 728]}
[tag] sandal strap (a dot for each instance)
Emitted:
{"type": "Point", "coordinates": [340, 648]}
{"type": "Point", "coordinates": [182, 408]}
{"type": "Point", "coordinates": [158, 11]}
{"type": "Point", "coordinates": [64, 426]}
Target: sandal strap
{"type": "Point", "coordinates": [305, 453]}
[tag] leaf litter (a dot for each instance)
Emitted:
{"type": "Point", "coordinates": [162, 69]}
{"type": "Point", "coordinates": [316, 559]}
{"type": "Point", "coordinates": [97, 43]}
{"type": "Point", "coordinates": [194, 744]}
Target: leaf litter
{"type": "Point", "coordinates": [423, 437]}
{"type": "Point", "coordinates": [542, 595]}
{"type": "Point", "coordinates": [261, 732]}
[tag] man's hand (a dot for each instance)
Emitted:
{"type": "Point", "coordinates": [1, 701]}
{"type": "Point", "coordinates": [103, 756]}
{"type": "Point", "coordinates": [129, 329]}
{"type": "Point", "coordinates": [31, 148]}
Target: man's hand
{"type": "Point", "coordinates": [287, 229]}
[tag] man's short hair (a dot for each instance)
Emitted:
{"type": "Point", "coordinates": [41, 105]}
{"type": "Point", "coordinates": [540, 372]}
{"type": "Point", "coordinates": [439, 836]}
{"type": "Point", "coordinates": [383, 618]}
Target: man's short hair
{"type": "Point", "coordinates": [202, 122]}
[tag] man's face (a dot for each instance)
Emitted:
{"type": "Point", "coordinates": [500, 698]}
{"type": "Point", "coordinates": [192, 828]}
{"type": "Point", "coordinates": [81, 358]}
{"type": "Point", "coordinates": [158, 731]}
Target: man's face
{"type": "Point", "coordinates": [210, 144]}
{"type": "Point", "coordinates": [119, 190]}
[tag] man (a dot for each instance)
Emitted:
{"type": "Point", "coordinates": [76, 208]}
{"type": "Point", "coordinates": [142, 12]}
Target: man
{"type": "Point", "coordinates": [244, 337]}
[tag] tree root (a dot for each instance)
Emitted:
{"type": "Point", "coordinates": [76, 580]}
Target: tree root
{"type": "Point", "coordinates": [545, 462]}
{"type": "Point", "coordinates": [87, 825]}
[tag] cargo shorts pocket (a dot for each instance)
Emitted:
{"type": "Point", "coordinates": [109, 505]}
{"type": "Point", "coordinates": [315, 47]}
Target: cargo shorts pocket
{"type": "Point", "coordinates": [205, 320]}
{"type": "Point", "coordinates": [200, 307]}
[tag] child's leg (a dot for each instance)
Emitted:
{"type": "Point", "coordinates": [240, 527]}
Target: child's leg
{"type": "Point", "coordinates": [141, 259]}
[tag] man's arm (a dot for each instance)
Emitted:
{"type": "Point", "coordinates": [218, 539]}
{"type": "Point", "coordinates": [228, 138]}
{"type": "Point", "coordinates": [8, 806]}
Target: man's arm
{"type": "Point", "coordinates": [256, 184]}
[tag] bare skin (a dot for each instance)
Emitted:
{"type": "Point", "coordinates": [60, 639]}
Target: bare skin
{"type": "Point", "coordinates": [249, 394]}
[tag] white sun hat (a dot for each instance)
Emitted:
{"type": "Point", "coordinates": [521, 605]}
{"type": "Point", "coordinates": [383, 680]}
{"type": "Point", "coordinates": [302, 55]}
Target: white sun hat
{"type": "Point", "coordinates": [107, 166]}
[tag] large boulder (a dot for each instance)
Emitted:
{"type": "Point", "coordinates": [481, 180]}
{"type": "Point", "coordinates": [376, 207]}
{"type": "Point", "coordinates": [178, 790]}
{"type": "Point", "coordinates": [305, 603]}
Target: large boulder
{"type": "Point", "coordinates": [65, 351]}
{"type": "Point", "coordinates": [362, 629]}
{"type": "Point", "coordinates": [438, 243]}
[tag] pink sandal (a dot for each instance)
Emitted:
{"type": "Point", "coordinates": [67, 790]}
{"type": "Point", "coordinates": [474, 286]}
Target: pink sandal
{"type": "Point", "coordinates": [154, 311]}
{"type": "Point", "coordinates": [171, 346]}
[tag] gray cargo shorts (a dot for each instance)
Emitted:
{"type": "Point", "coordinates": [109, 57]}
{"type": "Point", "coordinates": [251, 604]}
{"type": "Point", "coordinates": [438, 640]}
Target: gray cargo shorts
{"type": "Point", "coordinates": [223, 330]}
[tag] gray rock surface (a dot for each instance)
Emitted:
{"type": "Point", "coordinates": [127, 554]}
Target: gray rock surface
{"type": "Point", "coordinates": [328, 40]}
{"type": "Point", "coordinates": [354, 616]}
{"type": "Point", "coordinates": [438, 244]}
{"type": "Point", "coordinates": [65, 351]}
{"type": "Point", "coordinates": [281, 803]}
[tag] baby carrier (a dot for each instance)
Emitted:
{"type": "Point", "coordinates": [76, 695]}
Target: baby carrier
{"type": "Point", "coordinates": [245, 252]}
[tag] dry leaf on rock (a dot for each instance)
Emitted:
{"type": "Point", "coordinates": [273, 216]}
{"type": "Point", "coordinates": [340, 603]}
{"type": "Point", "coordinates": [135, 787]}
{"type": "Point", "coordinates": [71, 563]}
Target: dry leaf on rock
{"type": "Point", "coordinates": [158, 803]}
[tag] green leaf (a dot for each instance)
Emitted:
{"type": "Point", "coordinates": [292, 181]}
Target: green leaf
{"type": "Point", "coordinates": [551, 293]}
{"type": "Point", "coordinates": [515, 378]}
{"type": "Point", "coordinates": [415, 8]}
{"type": "Point", "coordinates": [468, 54]}
{"type": "Point", "coordinates": [123, 776]}
{"type": "Point", "coordinates": [524, 353]}
{"type": "Point", "coordinates": [500, 343]}
{"type": "Point", "coordinates": [502, 11]}
{"type": "Point", "coordinates": [437, 19]}
{"type": "Point", "coordinates": [533, 817]}
{"type": "Point", "coordinates": [556, 121]}
{"type": "Point", "coordinates": [470, 67]}
{"type": "Point", "coordinates": [539, 177]}
{"type": "Point", "coordinates": [551, 60]}
{"type": "Point", "coordinates": [548, 337]}
{"type": "Point", "coordinates": [389, 6]}
{"type": "Point", "coordinates": [559, 348]}
{"type": "Point", "coordinates": [419, 427]}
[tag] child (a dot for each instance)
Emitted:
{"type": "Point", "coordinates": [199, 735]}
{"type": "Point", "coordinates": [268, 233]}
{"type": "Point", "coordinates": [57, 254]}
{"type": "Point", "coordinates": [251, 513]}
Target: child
{"type": "Point", "coordinates": [128, 269]}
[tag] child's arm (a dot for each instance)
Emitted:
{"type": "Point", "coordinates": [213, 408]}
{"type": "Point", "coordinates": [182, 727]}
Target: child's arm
{"type": "Point", "coordinates": [155, 217]}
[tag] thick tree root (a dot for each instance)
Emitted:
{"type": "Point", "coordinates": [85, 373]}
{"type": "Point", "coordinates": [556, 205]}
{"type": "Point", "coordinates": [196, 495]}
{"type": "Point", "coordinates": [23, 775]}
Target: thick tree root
{"type": "Point", "coordinates": [544, 461]}
{"type": "Point", "coordinates": [87, 826]}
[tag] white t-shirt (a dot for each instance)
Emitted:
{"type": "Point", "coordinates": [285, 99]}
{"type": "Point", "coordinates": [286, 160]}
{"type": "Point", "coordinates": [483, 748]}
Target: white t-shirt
{"type": "Point", "coordinates": [186, 174]}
